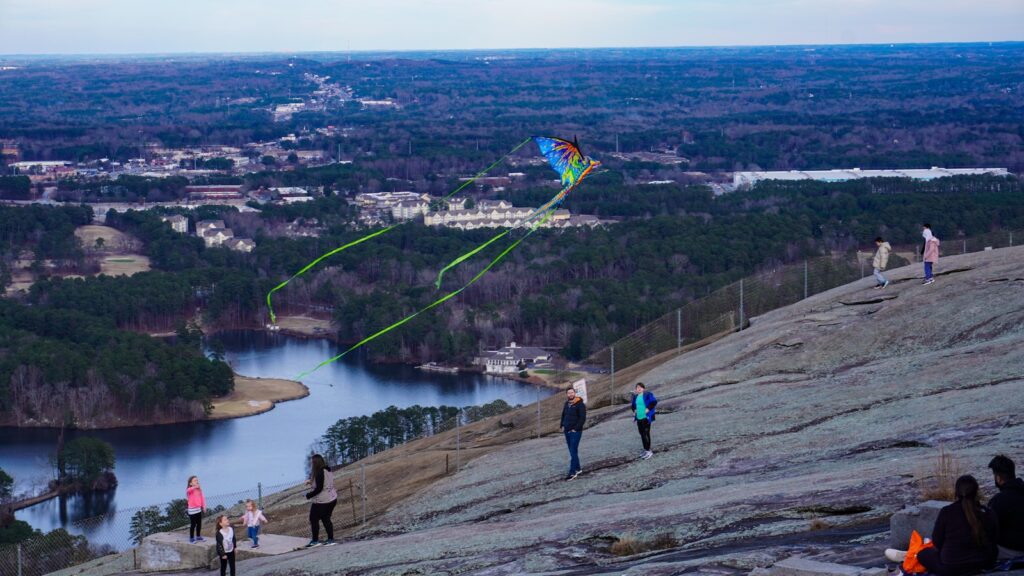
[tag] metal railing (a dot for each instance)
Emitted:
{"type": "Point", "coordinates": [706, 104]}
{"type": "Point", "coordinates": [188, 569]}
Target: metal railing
{"type": "Point", "coordinates": [361, 497]}
{"type": "Point", "coordinates": [732, 307]}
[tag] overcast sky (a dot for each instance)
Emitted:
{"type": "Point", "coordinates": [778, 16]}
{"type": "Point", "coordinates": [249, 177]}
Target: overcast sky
{"type": "Point", "coordinates": [158, 26]}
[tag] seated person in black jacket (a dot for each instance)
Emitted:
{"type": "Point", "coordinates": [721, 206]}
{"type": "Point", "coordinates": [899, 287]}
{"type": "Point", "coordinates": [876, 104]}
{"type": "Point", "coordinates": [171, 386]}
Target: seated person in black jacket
{"type": "Point", "coordinates": [965, 535]}
{"type": "Point", "coordinates": [1008, 506]}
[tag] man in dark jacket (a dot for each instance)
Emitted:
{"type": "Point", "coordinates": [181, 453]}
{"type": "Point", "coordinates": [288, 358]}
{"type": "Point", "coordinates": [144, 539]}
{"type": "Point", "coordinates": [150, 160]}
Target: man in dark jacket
{"type": "Point", "coordinates": [1008, 506]}
{"type": "Point", "coordinates": [642, 404]}
{"type": "Point", "coordinates": [574, 415]}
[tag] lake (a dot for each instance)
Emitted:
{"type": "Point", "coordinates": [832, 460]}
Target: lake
{"type": "Point", "coordinates": [154, 462]}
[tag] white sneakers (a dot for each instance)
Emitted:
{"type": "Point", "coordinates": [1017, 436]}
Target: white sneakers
{"type": "Point", "coordinates": [894, 555]}
{"type": "Point", "coordinates": [647, 454]}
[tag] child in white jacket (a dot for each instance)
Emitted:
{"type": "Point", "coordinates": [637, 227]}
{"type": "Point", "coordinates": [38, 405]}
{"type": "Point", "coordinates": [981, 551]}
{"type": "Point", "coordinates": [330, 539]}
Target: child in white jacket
{"type": "Point", "coordinates": [253, 519]}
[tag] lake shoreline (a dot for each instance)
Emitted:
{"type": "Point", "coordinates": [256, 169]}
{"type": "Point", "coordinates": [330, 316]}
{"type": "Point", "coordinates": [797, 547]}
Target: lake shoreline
{"type": "Point", "coordinates": [311, 328]}
{"type": "Point", "coordinates": [251, 396]}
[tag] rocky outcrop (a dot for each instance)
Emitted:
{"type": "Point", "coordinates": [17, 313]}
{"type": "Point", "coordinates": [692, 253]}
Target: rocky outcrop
{"type": "Point", "coordinates": [801, 435]}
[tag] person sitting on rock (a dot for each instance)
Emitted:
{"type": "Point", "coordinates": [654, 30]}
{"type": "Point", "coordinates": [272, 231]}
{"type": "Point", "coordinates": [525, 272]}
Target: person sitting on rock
{"type": "Point", "coordinates": [1008, 506]}
{"type": "Point", "coordinates": [964, 535]}
{"type": "Point", "coordinates": [964, 538]}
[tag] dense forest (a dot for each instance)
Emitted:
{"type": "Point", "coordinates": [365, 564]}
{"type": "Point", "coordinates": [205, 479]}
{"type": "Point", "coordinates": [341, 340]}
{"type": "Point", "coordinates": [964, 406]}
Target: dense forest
{"type": "Point", "coordinates": [892, 106]}
{"type": "Point", "coordinates": [576, 289]}
{"type": "Point", "coordinates": [666, 123]}
{"type": "Point", "coordinates": [66, 367]}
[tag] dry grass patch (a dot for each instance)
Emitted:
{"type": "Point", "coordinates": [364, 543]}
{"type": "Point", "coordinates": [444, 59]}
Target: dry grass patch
{"type": "Point", "coordinates": [124, 265]}
{"type": "Point", "coordinates": [628, 545]}
{"type": "Point", "coordinates": [305, 325]}
{"type": "Point", "coordinates": [937, 478]}
{"type": "Point", "coordinates": [255, 396]}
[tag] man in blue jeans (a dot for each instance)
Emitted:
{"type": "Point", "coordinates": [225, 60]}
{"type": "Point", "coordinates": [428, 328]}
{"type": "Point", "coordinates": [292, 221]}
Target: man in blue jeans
{"type": "Point", "coordinates": [574, 415]}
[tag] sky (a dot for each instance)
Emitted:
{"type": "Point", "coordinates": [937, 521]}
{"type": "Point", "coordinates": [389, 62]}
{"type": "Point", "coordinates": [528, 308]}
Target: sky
{"type": "Point", "coordinates": [189, 26]}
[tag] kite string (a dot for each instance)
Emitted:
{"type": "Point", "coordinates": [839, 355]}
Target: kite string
{"type": "Point", "coordinates": [434, 304]}
{"type": "Point", "coordinates": [554, 202]}
{"type": "Point", "coordinates": [468, 255]}
{"type": "Point", "coordinates": [270, 306]}
{"type": "Point", "coordinates": [488, 169]}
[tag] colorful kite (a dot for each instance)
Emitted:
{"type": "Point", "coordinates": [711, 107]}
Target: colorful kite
{"type": "Point", "coordinates": [572, 166]}
{"type": "Point", "coordinates": [564, 156]}
{"type": "Point", "coordinates": [307, 267]}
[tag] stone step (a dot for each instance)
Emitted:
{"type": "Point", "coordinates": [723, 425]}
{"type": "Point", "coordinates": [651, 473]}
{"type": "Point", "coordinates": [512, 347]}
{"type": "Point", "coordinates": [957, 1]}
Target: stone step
{"type": "Point", "coordinates": [173, 551]}
{"type": "Point", "coordinates": [797, 566]}
{"type": "Point", "coordinates": [921, 518]}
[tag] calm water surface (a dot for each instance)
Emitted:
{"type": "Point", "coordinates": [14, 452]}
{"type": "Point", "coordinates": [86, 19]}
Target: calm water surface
{"type": "Point", "coordinates": [153, 463]}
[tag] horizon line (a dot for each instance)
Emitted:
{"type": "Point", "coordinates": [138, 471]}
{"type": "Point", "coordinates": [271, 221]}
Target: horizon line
{"type": "Point", "coordinates": [507, 49]}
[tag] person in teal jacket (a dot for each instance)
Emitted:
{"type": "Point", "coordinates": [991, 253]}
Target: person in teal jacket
{"type": "Point", "coordinates": [642, 404]}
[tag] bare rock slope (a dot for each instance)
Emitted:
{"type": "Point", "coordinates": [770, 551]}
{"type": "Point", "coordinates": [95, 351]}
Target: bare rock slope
{"type": "Point", "coordinates": [801, 434]}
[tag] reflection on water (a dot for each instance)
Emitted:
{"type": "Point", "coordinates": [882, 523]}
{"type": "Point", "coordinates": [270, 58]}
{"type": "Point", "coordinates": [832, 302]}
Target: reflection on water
{"type": "Point", "coordinates": [153, 463]}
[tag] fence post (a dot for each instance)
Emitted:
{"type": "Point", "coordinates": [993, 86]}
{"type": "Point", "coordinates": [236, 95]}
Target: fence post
{"type": "Point", "coordinates": [362, 489]}
{"type": "Point", "coordinates": [862, 272]}
{"type": "Point", "coordinates": [805, 279]}
{"type": "Point", "coordinates": [259, 494]}
{"type": "Point", "coordinates": [352, 499]}
{"type": "Point", "coordinates": [458, 441]}
{"type": "Point", "coordinates": [613, 366]}
{"type": "Point", "coordinates": [1011, 239]}
{"type": "Point", "coordinates": [965, 246]}
{"type": "Point", "coordinates": [537, 389]}
{"type": "Point", "coordinates": [742, 311]}
{"type": "Point", "coordinates": [679, 328]}
{"type": "Point", "coordinates": [19, 560]}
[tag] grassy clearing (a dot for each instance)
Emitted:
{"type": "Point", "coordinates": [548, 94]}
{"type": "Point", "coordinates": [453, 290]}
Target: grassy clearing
{"type": "Point", "coordinates": [255, 396]}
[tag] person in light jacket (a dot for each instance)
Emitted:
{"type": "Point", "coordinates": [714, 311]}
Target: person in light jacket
{"type": "Point", "coordinates": [323, 497]}
{"type": "Point", "coordinates": [642, 404]}
{"type": "Point", "coordinates": [880, 261]}
{"type": "Point", "coordinates": [930, 251]}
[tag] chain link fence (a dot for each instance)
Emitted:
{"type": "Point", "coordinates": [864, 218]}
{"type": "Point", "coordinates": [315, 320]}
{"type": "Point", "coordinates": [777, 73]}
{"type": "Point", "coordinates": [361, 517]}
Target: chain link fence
{"type": "Point", "coordinates": [122, 529]}
{"type": "Point", "coordinates": [360, 496]}
{"type": "Point", "coordinates": [731, 307]}
{"type": "Point", "coordinates": [365, 493]}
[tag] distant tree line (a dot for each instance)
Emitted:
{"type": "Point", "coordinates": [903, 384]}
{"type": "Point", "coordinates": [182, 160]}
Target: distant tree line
{"type": "Point", "coordinates": [357, 437]}
{"type": "Point", "coordinates": [67, 367]}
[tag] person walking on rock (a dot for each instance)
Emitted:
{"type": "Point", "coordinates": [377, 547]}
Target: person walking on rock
{"type": "Point", "coordinates": [574, 415]}
{"type": "Point", "coordinates": [1008, 506]}
{"type": "Point", "coordinates": [930, 252]}
{"type": "Point", "coordinates": [880, 261]}
{"type": "Point", "coordinates": [643, 403]}
{"type": "Point", "coordinates": [324, 498]}
{"type": "Point", "coordinates": [252, 520]}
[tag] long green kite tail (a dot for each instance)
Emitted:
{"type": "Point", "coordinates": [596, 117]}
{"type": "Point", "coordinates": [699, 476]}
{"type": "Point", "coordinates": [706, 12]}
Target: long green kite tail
{"type": "Point", "coordinates": [270, 306]}
{"type": "Point", "coordinates": [273, 317]}
{"type": "Point", "coordinates": [435, 303]}
{"type": "Point", "coordinates": [469, 255]}
{"type": "Point", "coordinates": [548, 206]}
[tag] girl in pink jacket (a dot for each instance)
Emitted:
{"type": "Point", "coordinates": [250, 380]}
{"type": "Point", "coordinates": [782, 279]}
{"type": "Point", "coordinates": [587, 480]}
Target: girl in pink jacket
{"type": "Point", "coordinates": [196, 507]}
{"type": "Point", "coordinates": [930, 251]}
